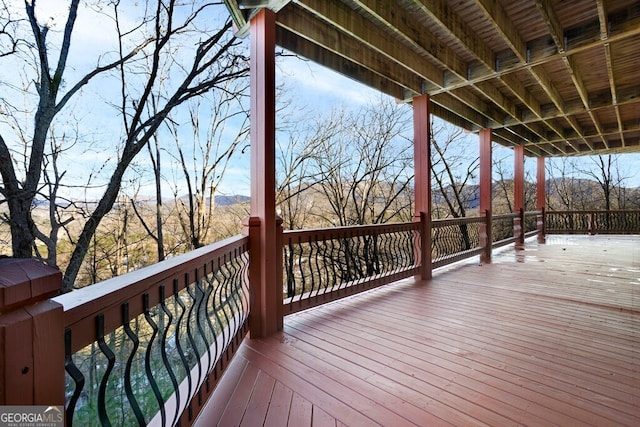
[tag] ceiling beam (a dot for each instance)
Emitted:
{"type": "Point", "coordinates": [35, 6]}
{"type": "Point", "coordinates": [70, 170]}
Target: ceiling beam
{"type": "Point", "coordinates": [449, 102]}
{"type": "Point", "coordinates": [300, 22]}
{"type": "Point", "coordinates": [307, 49]}
{"type": "Point", "coordinates": [440, 12]}
{"type": "Point", "coordinates": [603, 18]}
{"type": "Point", "coordinates": [348, 21]}
{"type": "Point", "coordinates": [407, 27]}
{"type": "Point", "coordinates": [496, 15]}
{"type": "Point", "coordinates": [555, 29]}
{"type": "Point", "coordinates": [468, 97]}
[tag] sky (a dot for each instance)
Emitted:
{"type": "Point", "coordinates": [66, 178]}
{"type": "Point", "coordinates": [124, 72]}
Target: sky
{"type": "Point", "coordinates": [313, 86]}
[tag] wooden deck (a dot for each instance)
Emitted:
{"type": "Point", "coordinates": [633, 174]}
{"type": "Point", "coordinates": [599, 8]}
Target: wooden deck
{"type": "Point", "coordinates": [548, 336]}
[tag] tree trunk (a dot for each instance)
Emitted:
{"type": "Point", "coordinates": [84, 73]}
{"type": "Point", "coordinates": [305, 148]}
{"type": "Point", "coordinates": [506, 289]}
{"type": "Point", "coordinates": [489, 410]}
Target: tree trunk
{"type": "Point", "coordinates": [21, 223]}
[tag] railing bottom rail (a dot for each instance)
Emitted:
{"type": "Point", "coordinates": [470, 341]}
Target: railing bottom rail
{"type": "Point", "coordinates": [450, 259]}
{"type": "Point", "coordinates": [336, 292]}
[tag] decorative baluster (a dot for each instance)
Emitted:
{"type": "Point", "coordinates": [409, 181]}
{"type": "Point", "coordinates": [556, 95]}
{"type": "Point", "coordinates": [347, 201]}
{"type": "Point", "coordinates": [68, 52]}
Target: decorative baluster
{"type": "Point", "coordinates": [111, 361]}
{"type": "Point", "coordinates": [76, 376]}
{"type": "Point", "coordinates": [163, 352]}
{"type": "Point", "coordinates": [127, 370]}
{"type": "Point", "coordinates": [147, 357]}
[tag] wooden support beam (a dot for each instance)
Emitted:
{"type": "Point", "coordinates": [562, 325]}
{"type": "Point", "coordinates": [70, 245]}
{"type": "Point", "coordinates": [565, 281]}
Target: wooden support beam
{"type": "Point", "coordinates": [308, 49]}
{"type": "Point", "coordinates": [612, 80]}
{"type": "Point", "coordinates": [486, 181]}
{"type": "Point", "coordinates": [604, 19]}
{"type": "Point", "coordinates": [541, 197]}
{"type": "Point", "coordinates": [451, 103]}
{"type": "Point", "coordinates": [267, 292]}
{"type": "Point", "coordinates": [304, 24]}
{"type": "Point", "coordinates": [422, 179]}
{"type": "Point", "coordinates": [555, 29]}
{"type": "Point", "coordinates": [518, 195]}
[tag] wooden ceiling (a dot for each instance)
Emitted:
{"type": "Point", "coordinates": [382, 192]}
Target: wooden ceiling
{"type": "Point", "coordinates": [561, 77]}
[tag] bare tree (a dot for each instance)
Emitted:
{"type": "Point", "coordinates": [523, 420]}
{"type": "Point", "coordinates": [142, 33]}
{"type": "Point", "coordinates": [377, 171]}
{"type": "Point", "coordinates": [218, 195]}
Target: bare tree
{"type": "Point", "coordinates": [606, 172]}
{"type": "Point", "coordinates": [364, 165]}
{"type": "Point", "coordinates": [503, 185]}
{"type": "Point", "coordinates": [453, 169]}
{"type": "Point", "coordinates": [210, 151]}
{"type": "Point", "coordinates": [158, 235]}
{"type": "Point", "coordinates": [10, 38]}
{"type": "Point", "coordinates": [584, 184]}
{"type": "Point", "coordinates": [140, 63]}
{"type": "Point", "coordinates": [298, 143]}
{"type": "Point", "coordinates": [20, 193]}
{"type": "Point", "coordinates": [59, 216]}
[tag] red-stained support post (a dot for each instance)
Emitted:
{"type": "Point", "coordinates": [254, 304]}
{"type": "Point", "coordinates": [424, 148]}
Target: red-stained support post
{"type": "Point", "coordinates": [422, 189]}
{"type": "Point", "coordinates": [541, 197]}
{"type": "Point", "coordinates": [518, 196]}
{"type": "Point", "coordinates": [485, 194]}
{"type": "Point", "coordinates": [279, 272]}
{"type": "Point", "coordinates": [31, 334]}
{"type": "Point", "coordinates": [264, 276]}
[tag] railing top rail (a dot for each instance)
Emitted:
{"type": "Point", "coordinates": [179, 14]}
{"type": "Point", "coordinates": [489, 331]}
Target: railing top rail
{"type": "Point", "coordinates": [577, 211]}
{"type": "Point", "coordinates": [456, 221]}
{"type": "Point", "coordinates": [505, 216]}
{"type": "Point", "coordinates": [91, 300]}
{"type": "Point", "coordinates": [349, 231]}
{"type": "Point", "coordinates": [532, 213]}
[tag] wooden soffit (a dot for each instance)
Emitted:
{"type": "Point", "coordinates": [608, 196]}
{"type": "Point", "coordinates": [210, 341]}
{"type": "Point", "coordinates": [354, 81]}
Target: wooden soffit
{"type": "Point", "coordinates": [561, 77]}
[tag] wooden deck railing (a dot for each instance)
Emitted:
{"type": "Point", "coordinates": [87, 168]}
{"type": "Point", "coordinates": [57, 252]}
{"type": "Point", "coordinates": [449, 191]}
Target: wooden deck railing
{"type": "Point", "coordinates": [593, 222]}
{"type": "Point", "coordinates": [531, 222]}
{"type": "Point", "coordinates": [502, 229]}
{"type": "Point", "coordinates": [326, 264]}
{"type": "Point", "coordinates": [455, 239]}
{"type": "Point", "coordinates": [150, 345]}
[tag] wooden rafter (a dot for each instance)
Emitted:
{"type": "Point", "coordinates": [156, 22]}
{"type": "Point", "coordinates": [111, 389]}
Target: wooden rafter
{"type": "Point", "coordinates": [555, 29]}
{"type": "Point", "coordinates": [449, 20]}
{"type": "Point", "coordinates": [517, 67]}
{"type": "Point", "coordinates": [604, 21]}
{"type": "Point", "coordinates": [308, 49]}
{"type": "Point", "coordinates": [302, 23]}
{"type": "Point", "coordinates": [406, 26]}
{"type": "Point", "coordinates": [364, 31]}
{"type": "Point", "coordinates": [495, 14]}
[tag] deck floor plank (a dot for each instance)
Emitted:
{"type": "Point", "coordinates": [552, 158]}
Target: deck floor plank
{"type": "Point", "coordinates": [301, 412]}
{"type": "Point", "coordinates": [260, 401]}
{"type": "Point", "coordinates": [545, 336]}
{"type": "Point", "coordinates": [473, 351]}
{"type": "Point", "coordinates": [239, 400]}
{"type": "Point", "coordinates": [280, 406]}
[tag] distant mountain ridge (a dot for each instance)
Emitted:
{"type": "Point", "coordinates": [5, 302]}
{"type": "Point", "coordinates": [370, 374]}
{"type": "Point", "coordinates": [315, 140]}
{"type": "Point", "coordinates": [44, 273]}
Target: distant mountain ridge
{"type": "Point", "coordinates": [230, 200]}
{"type": "Point", "coordinates": [218, 201]}
{"type": "Point", "coordinates": [223, 200]}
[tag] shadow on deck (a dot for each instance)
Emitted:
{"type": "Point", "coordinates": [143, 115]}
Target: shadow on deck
{"type": "Point", "coordinates": [545, 336]}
